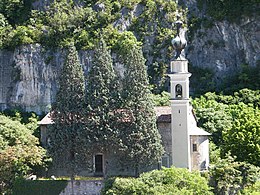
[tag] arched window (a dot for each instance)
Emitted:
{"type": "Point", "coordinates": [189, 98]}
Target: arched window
{"type": "Point", "coordinates": [178, 91]}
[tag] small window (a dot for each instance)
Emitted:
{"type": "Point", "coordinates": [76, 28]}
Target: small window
{"type": "Point", "coordinates": [178, 91]}
{"type": "Point", "coordinates": [165, 161]}
{"type": "Point", "coordinates": [194, 147]}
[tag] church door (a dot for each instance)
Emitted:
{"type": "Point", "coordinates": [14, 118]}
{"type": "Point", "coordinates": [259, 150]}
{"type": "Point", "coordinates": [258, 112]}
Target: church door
{"type": "Point", "coordinates": [98, 165]}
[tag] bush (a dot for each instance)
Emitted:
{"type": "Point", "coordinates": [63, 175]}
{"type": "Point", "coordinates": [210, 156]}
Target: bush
{"type": "Point", "coordinates": [253, 189]}
{"type": "Point", "coordinates": [166, 181]}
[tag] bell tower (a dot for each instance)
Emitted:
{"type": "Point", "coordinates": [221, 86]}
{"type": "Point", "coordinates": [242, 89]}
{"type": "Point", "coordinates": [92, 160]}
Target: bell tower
{"type": "Point", "coordinates": [180, 108]}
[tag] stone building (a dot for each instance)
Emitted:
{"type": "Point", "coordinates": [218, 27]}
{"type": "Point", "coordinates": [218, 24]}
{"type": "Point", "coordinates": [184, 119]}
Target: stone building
{"type": "Point", "coordinates": [107, 163]}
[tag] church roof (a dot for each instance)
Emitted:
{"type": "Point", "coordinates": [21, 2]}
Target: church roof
{"type": "Point", "coordinates": [163, 114]}
{"type": "Point", "coordinates": [46, 120]}
{"type": "Point", "coordinates": [198, 131]}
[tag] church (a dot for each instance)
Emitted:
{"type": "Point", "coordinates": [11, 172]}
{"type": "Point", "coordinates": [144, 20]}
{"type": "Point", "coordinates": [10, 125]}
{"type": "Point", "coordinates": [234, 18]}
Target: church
{"type": "Point", "coordinates": [185, 144]}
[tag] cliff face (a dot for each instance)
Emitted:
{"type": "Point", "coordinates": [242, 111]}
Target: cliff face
{"type": "Point", "coordinates": [28, 75]}
{"type": "Point", "coordinates": [224, 46]}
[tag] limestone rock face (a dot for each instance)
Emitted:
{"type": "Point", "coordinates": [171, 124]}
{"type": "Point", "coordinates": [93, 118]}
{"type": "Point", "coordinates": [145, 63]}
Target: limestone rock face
{"type": "Point", "coordinates": [30, 77]}
{"type": "Point", "coordinates": [226, 46]}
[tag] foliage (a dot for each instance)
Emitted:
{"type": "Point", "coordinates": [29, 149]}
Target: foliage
{"type": "Point", "coordinates": [159, 182]}
{"type": "Point", "coordinates": [5, 31]}
{"type": "Point", "coordinates": [11, 137]}
{"type": "Point", "coordinates": [228, 9]}
{"type": "Point", "coordinates": [102, 97]}
{"type": "Point", "coordinates": [67, 134]}
{"type": "Point", "coordinates": [19, 151]}
{"type": "Point", "coordinates": [233, 122]}
{"type": "Point", "coordinates": [253, 189]}
{"type": "Point", "coordinates": [161, 99]}
{"type": "Point", "coordinates": [244, 133]}
{"type": "Point", "coordinates": [50, 187]}
{"type": "Point", "coordinates": [231, 177]}
{"type": "Point", "coordinates": [140, 137]}
{"type": "Point", "coordinates": [212, 116]}
{"type": "Point", "coordinates": [201, 80]}
{"type": "Point", "coordinates": [246, 77]}
{"type": "Point", "coordinates": [16, 11]}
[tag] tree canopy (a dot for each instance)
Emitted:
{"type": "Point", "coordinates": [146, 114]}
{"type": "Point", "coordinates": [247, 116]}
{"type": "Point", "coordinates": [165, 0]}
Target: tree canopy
{"type": "Point", "coordinates": [233, 122]}
{"type": "Point", "coordinates": [19, 151]}
{"type": "Point", "coordinates": [139, 134]}
{"type": "Point", "coordinates": [102, 97]}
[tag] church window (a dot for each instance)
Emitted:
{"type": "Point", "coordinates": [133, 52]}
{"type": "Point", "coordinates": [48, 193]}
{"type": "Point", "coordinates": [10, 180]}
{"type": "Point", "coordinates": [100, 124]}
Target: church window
{"type": "Point", "coordinates": [165, 161]}
{"type": "Point", "coordinates": [178, 91]}
{"type": "Point", "coordinates": [194, 147]}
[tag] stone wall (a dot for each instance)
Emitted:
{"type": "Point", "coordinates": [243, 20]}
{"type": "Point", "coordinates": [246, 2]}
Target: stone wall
{"type": "Point", "coordinates": [166, 134]}
{"type": "Point", "coordinates": [82, 187]}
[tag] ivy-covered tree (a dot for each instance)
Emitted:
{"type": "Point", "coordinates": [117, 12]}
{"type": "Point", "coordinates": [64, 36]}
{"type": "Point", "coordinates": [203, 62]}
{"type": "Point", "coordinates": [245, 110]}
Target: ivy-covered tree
{"type": "Point", "coordinates": [138, 132]}
{"type": "Point", "coordinates": [102, 99]}
{"type": "Point", "coordinates": [68, 143]}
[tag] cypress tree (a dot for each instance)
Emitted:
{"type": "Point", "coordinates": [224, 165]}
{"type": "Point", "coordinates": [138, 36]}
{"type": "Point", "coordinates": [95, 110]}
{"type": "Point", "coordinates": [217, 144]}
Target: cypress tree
{"type": "Point", "coordinates": [139, 134]}
{"type": "Point", "coordinates": [67, 132]}
{"type": "Point", "coordinates": [101, 99]}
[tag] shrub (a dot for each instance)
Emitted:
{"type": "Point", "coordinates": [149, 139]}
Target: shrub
{"type": "Point", "coordinates": [166, 181]}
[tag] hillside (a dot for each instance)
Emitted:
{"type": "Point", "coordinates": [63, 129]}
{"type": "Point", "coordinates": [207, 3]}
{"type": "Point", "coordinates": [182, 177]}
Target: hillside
{"type": "Point", "coordinates": [223, 40]}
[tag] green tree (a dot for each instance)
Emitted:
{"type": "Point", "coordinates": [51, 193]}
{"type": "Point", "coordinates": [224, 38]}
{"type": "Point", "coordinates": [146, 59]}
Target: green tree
{"type": "Point", "coordinates": [231, 177]}
{"type": "Point", "coordinates": [102, 99]}
{"type": "Point", "coordinates": [19, 152]}
{"type": "Point", "coordinates": [5, 31]}
{"type": "Point", "coordinates": [212, 116]}
{"type": "Point", "coordinates": [140, 137]}
{"type": "Point", "coordinates": [243, 139]}
{"type": "Point", "coordinates": [16, 11]}
{"type": "Point", "coordinates": [68, 144]}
